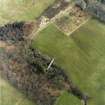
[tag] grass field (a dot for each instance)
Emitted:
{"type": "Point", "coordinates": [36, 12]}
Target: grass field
{"type": "Point", "coordinates": [18, 10]}
{"type": "Point", "coordinates": [82, 55]}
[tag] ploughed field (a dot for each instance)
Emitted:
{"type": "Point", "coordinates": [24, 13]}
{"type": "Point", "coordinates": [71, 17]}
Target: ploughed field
{"type": "Point", "coordinates": [81, 55]}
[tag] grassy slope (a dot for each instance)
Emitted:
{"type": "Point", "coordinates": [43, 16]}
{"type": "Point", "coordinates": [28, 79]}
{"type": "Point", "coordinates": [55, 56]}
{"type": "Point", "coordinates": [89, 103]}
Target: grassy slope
{"type": "Point", "coordinates": [17, 10]}
{"type": "Point", "coordinates": [10, 96]}
{"type": "Point", "coordinates": [82, 56]}
{"type": "Point", "coordinates": [67, 99]}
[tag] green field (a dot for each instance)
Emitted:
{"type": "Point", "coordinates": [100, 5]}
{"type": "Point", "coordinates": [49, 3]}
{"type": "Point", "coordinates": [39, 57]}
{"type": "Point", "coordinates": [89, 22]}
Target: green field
{"type": "Point", "coordinates": [82, 55]}
{"type": "Point", "coordinates": [22, 10]}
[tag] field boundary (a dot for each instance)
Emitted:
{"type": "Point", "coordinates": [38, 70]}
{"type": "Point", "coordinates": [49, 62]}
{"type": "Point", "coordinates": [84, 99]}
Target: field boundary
{"type": "Point", "coordinates": [60, 14]}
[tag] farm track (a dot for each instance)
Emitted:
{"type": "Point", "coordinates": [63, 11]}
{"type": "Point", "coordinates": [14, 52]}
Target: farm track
{"type": "Point", "coordinates": [59, 15]}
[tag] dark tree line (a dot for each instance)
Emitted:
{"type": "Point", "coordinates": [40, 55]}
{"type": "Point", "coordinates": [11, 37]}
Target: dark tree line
{"type": "Point", "coordinates": [94, 7]}
{"type": "Point", "coordinates": [97, 10]}
{"type": "Point", "coordinates": [12, 32]}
